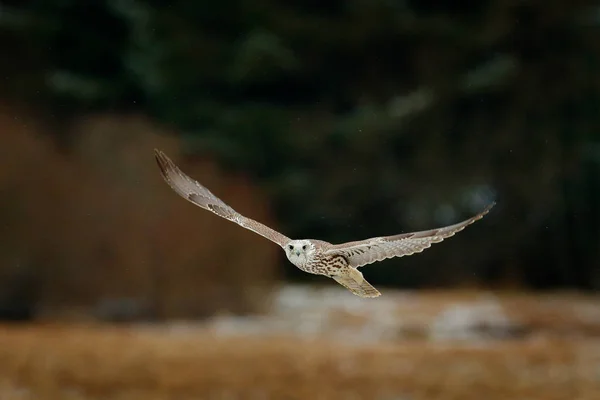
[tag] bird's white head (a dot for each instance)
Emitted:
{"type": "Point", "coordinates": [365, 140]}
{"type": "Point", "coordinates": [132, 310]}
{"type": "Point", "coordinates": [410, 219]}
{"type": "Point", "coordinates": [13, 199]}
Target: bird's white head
{"type": "Point", "coordinates": [299, 251]}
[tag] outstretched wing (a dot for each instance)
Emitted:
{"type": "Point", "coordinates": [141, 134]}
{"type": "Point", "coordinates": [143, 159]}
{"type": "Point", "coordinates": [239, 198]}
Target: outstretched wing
{"type": "Point", "coordinates": [379, 248]}
{"type": "Point", "coordinates": [193, 191]}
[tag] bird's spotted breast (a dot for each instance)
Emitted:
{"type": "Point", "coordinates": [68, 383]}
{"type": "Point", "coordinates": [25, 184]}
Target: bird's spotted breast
{"type": "Point", "coordinates": [329, 265]}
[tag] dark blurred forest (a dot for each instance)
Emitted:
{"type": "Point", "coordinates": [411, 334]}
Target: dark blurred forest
{"type": "Point", "coordinates": [337, 120]}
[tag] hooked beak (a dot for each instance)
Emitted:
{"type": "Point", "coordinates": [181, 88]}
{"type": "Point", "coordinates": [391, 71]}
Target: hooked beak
{"type": "Point", "coordinates": [298, 253]}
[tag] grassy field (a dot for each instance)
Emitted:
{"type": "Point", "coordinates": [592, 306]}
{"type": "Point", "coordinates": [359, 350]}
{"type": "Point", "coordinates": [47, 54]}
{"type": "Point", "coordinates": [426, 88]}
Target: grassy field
{"type": "Point", "coordinates": [53, 361]}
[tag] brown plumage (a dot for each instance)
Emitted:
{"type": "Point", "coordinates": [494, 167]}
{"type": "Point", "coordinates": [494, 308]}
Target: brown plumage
{"type": "Point", "coordinates": [337, 261]}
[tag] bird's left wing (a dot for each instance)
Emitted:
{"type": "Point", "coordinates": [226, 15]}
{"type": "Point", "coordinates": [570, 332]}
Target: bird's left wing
{"type": "Point", "coordinates": [368, 251]}
{"type": "Point", "coordinates": [194, 192]}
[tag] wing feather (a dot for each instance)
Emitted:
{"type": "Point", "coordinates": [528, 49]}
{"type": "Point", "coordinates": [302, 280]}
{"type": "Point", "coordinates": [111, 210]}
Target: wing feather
{"type": "Point", "coordinates": [194, 192]}
{"type": "Point", "coordinates": [375, 249]}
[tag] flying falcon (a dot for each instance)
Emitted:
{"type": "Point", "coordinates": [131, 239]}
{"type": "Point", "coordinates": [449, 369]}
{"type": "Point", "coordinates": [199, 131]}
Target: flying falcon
{"type": "Point", "coordinates": [337, 261]}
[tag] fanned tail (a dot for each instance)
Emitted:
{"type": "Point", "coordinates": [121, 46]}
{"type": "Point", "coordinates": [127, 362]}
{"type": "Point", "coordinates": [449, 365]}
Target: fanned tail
{"type": "Point", "coordinates": [354, 281]}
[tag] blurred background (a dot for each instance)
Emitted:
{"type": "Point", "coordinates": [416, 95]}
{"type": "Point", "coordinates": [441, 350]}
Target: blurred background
{"type": "Point", "coordinates": [336, 120]}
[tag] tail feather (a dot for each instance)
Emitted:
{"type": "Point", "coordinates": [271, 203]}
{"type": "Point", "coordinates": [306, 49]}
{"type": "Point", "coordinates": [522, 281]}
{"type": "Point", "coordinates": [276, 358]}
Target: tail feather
{"type": "Point", "coordinates": [357, 284]}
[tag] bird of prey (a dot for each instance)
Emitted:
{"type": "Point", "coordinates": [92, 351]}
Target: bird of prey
{"type": "Point", "coordinates": [337, 261]}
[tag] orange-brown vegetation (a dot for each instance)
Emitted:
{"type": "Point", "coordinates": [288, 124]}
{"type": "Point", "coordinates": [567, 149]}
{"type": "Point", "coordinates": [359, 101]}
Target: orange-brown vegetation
{"type": "Point", "coordinates": [54, 362]}
{"type": "Point", "coordinates": [554, 314]}
{"type": "Point", "coordinates": [96, 222]}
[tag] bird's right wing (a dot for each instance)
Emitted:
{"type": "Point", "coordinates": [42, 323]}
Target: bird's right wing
{"type": "Point", "coordinates": [379, 248]}
{"type": "Point", "coordinates": [193, 191]}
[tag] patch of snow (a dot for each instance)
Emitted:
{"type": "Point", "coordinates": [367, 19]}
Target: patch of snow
{"type": "Point", "coordinates": [471, 321]}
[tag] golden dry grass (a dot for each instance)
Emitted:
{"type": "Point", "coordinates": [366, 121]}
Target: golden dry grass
{"type": "Point", "coordinates": [556, 313]}
{"type": "Point", "coordinates": [62, 362]}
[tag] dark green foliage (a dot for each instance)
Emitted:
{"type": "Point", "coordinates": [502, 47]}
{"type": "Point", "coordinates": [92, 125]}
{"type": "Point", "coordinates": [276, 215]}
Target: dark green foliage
{"type": "Point", "coordinates": [364, 117]}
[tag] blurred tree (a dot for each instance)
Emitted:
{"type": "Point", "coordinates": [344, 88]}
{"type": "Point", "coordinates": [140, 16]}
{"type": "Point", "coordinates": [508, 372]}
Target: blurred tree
{"type": "Point", "coordinates": [100, 233]}
{"type": "Point", "coordinates": [362, 117]}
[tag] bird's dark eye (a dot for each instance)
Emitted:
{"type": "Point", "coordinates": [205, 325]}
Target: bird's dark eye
{"type": "Point", "coordinates": [291, 247]}
{"type": "Point", "coordinates": [304, 247]}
